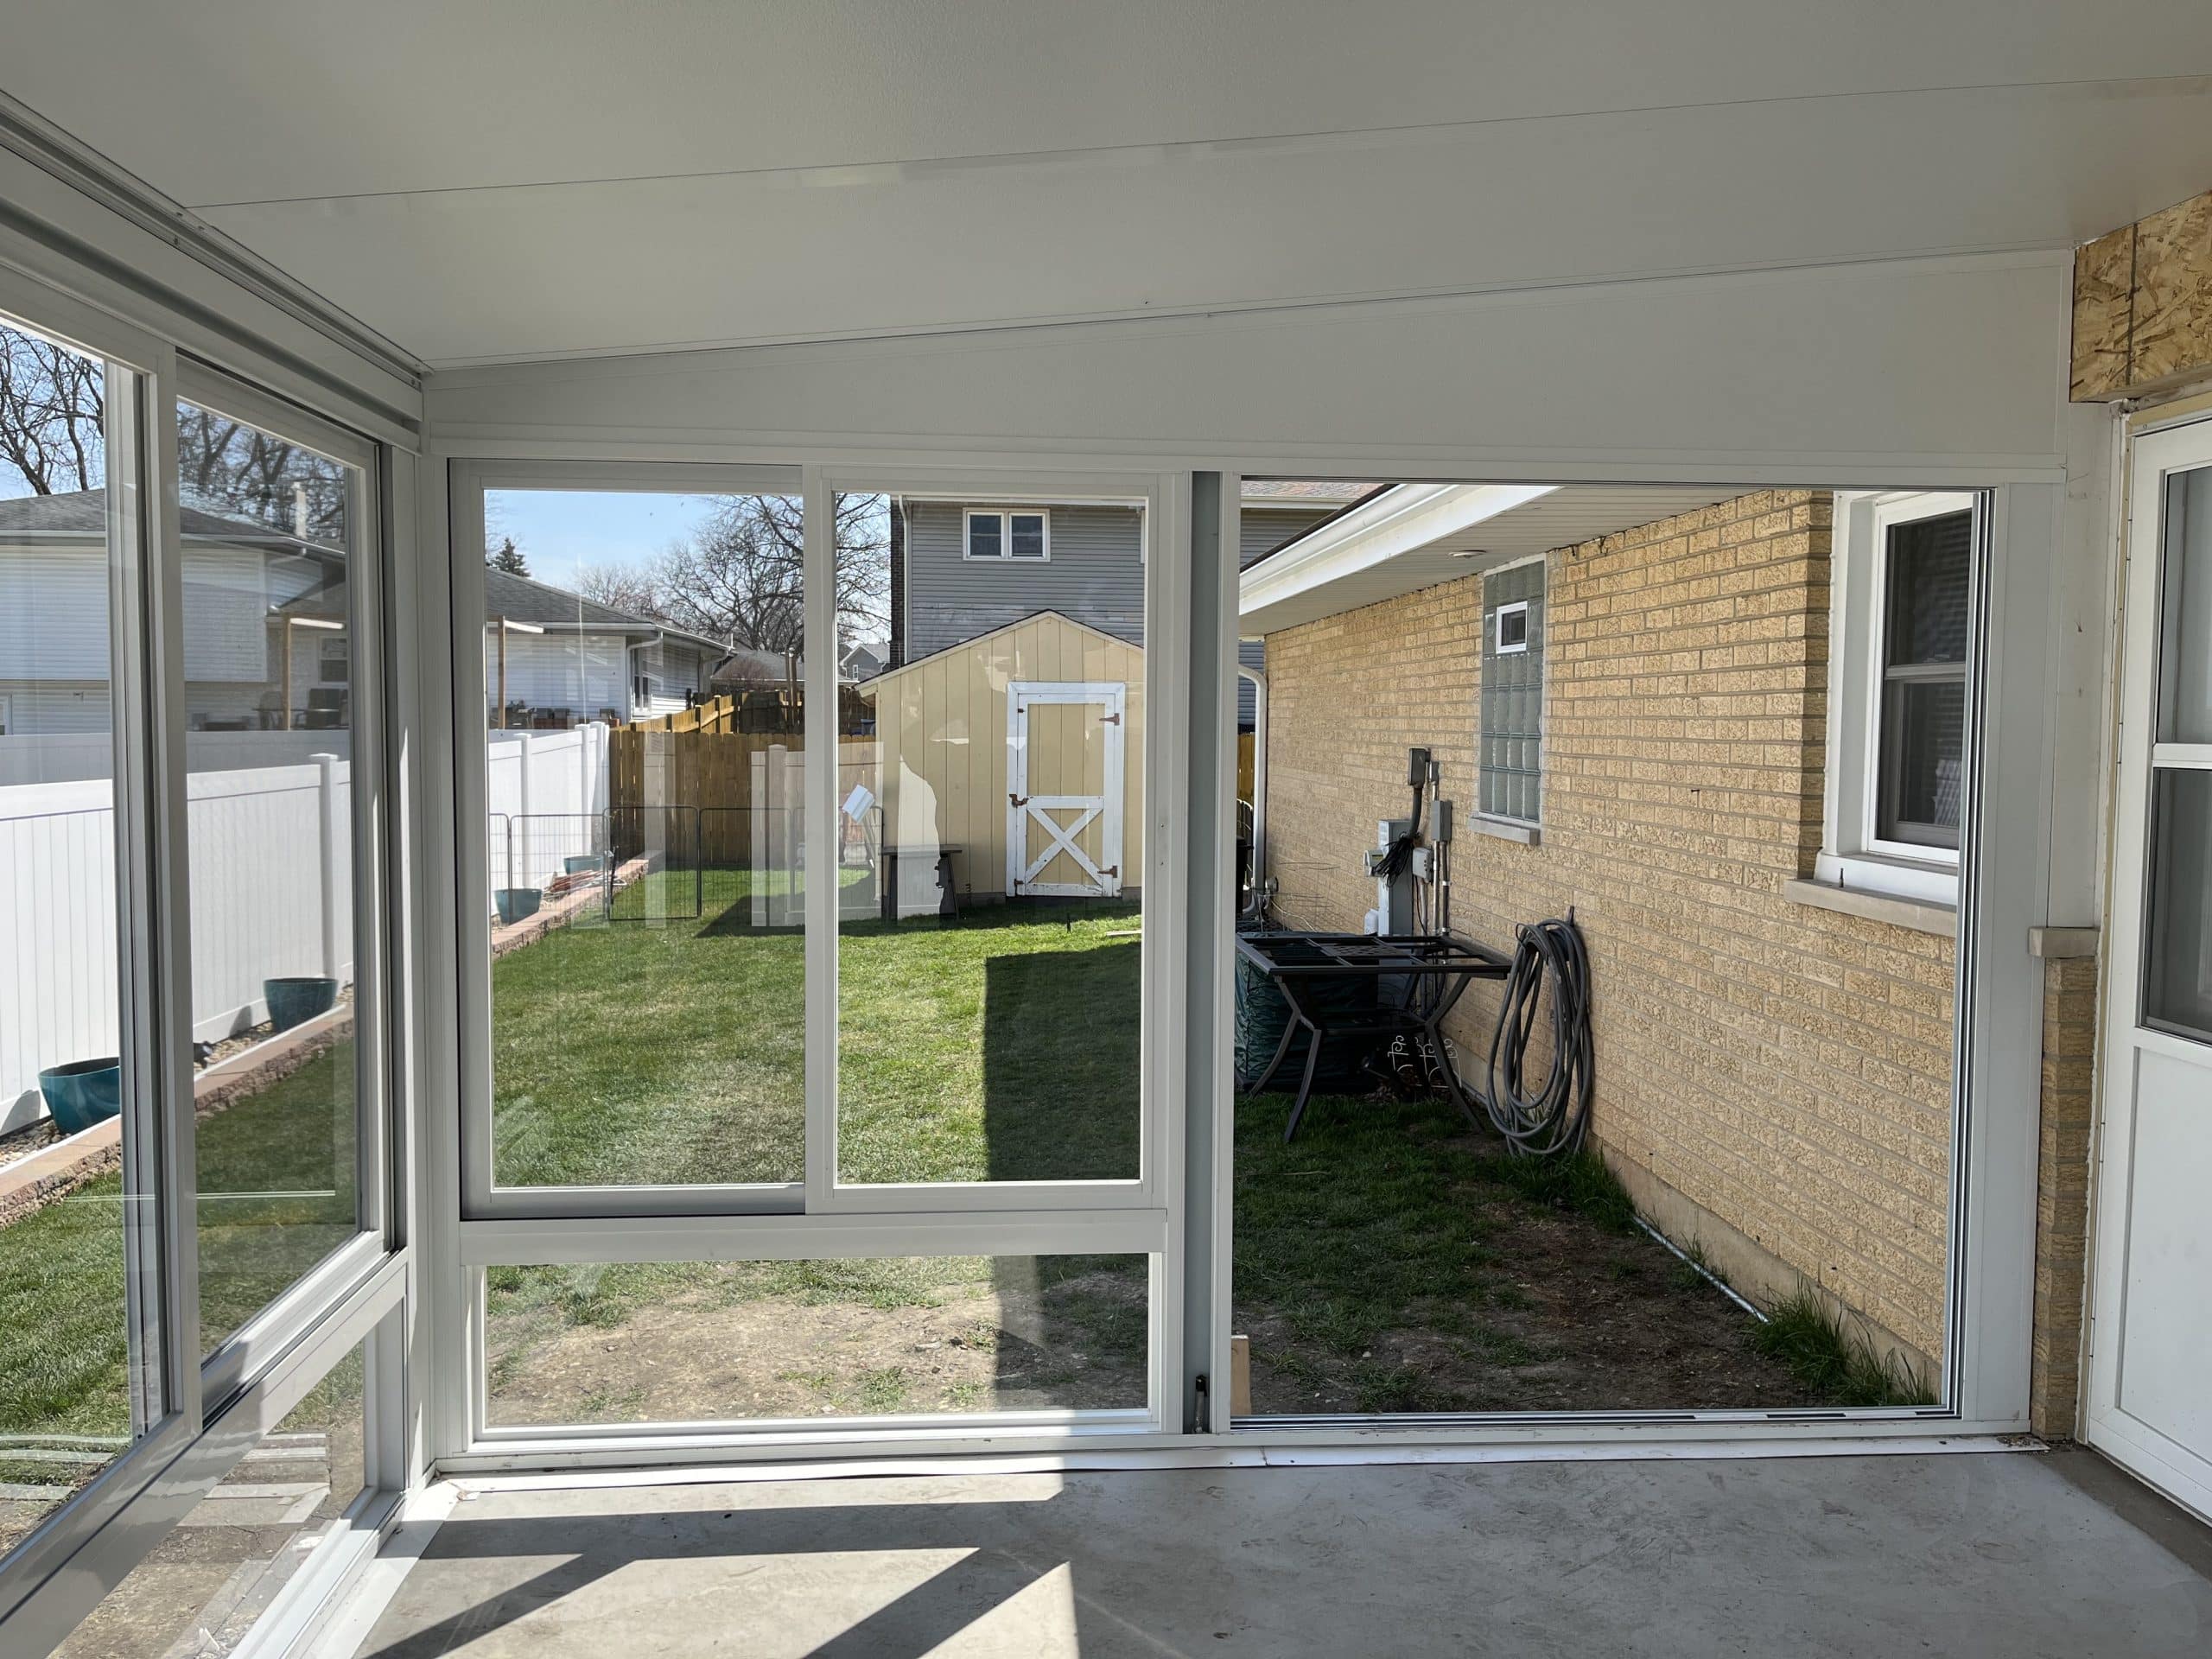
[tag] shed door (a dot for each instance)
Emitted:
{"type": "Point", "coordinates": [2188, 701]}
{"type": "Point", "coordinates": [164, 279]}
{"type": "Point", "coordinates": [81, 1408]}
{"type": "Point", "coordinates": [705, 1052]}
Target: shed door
{"type": "Point", "coordinates": [1063, 787]}
{"type": "Point", "coordinates": [2150, 1339]}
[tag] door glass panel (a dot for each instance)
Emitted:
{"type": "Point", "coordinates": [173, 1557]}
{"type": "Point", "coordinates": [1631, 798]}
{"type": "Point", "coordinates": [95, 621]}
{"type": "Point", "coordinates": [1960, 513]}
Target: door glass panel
{"type": "Point", "coordinates": [990, 847]}
{"type": "Point", "coordinates": [2185, 645]}
{"type": "Point", "coordinates": [2178, 945]}
{"type": "Point", "coordinates": [642, 672]}
{"type": "Point", "coordinates": [748, 1341]}
{"type": "Point", "coordinates": [271, 529]}
{"type": "Point", "coordinates": [79, 1351]}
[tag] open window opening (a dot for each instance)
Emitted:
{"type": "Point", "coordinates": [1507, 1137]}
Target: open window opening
{"type": "Point", "coordinates": [1550, 1052]}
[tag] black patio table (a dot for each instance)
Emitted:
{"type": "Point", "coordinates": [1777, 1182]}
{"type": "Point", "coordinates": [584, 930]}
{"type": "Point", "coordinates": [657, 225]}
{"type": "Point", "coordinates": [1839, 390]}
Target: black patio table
{"type": "Point", "coordinates": [1431, 972]}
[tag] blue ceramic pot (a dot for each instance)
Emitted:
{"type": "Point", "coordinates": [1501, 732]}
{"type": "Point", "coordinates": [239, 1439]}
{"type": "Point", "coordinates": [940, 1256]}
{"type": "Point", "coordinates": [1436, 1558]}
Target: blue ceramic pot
{"type": "Point", "coordinates": [82, 1093]}
{"type": "Point", "coordinates": [515, 902]}
{"type": "Point", "coordinates": [292, 1002]}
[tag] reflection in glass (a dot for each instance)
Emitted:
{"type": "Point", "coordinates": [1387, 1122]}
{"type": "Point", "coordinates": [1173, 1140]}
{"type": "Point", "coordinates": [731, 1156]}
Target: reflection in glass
{"type": "Point", "coordinates": [2185, 643]}
{"type": "Point", "coordinates": [990, 842]}
{"type": "Point", "coordinates": [730, 1341]}
{"type": "Point", "coordinates": [203, 1586]}
{"type": "Point", "coordinates": [79, 1351]}
{"type": "Point", "coordinates": [270, 544]}
{"type": "Point", "coordinates": [643, 674]}
{"type": "Point", "coordinates": [2177, 948]}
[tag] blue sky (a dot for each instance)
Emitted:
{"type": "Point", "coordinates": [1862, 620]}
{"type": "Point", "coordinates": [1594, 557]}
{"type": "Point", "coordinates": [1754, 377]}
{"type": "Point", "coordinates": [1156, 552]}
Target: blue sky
{"type": "Point", "coordinates": [561, 532]}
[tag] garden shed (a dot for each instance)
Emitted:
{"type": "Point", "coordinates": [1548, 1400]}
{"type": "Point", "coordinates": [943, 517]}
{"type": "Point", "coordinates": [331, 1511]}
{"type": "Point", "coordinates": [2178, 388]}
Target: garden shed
{"type": "Point", "coordinates": [1019, 753]}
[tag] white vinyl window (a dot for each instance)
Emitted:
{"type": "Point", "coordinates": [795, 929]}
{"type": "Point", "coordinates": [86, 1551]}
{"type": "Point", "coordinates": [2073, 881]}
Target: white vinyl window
{"type": "Point", "coordinates": [1900, 623]}
{"type": "Point", "coordinates": [996, 533]}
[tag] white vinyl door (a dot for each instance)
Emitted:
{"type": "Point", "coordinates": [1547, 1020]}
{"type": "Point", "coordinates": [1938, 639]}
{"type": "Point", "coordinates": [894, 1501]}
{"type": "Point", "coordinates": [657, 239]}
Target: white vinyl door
{"type": "Point", "coordinates": [2150, 1312]}
{"type": "Point", "coordinates": [1064, 743]}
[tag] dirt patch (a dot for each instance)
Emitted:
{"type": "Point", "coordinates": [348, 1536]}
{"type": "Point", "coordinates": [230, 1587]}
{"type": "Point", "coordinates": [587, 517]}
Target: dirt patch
{"type": "Point", "coordinates": [1392, 1263]}
{"type": "Point", "coordinates": [700, 1356]}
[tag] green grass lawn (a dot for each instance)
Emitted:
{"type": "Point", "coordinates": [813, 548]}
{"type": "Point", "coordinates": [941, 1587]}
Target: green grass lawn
{"type": "Point", "coordinates": [1003, 1047]}
{"type": "Point", "coordinates": [277, 1195]}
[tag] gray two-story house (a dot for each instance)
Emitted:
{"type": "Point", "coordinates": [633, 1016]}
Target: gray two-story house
{"type": "Point", "coordinates": [961, 567]}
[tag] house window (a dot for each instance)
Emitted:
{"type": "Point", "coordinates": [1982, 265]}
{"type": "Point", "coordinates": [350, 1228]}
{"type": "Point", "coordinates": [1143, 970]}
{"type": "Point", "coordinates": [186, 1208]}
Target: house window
{"type": "Point", "coordinates": [1901, 590]}
{"type": "Point", "coordinates": [995, 534]}
{"type": "Point", "coordinates": [1510, 785]}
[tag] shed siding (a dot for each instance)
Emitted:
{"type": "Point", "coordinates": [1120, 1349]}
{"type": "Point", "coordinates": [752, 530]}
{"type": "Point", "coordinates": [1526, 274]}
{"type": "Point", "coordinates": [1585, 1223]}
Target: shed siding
{"type": "Point", "coordinates": [941, 726]}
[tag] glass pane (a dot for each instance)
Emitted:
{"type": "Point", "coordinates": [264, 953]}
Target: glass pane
{"type": "Point", "coordinates": [1930, 564]}
{"type": "Point", "coordinates": [270, 532]}
{"type": "Point", "coordinates": [203, 1586]}
{"type": "Point", "coordinates": [79, 1300]}
{"type": "Point", "coordinates": [990, 913]}
{"type": "Point", "coordinates": [1924, 751]}
{"type": "Point", "coordinates": [1512, 682]}
{"type": "Point", "coordinates": [2185, 643]}
{"type": "Point", "coordinates": [2177, 948]}
{"type": "Point", "coordinates": [1026, 535]}
{"type": "Point", "coordinates": [642, 672]}
{"type": "Point", "coordinates": [983, 535]}
{"type": "Point", "coordinates": [731, 1341]}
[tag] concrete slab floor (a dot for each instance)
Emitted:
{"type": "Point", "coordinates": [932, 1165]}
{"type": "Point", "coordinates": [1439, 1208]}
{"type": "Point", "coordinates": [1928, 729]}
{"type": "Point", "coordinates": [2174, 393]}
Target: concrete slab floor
{"type": "Point", "coordinates": [2018, 1556]}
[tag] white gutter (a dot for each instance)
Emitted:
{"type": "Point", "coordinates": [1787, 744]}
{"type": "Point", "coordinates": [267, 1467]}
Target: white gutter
{"type": "Point", "coordinates": [1397, 522]}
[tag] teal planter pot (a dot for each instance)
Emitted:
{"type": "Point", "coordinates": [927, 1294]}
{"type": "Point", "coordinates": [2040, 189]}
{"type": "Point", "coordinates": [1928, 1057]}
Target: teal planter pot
{"type": "Point", "coordinates": [82, 1093]}
{"type": "Point", "coordinates": [294, 1001]}
{"type": "Point", "coordinates": [584, 864]}
{"type": "Point", "coordinates": [516, 903]}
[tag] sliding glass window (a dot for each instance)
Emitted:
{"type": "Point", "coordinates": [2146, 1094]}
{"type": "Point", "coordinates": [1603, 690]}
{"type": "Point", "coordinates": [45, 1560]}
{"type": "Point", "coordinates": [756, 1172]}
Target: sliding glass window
{"type": "Point", "coordinates": [279, 793]}
{"type": "Point", "coordinates": [81, 1354]}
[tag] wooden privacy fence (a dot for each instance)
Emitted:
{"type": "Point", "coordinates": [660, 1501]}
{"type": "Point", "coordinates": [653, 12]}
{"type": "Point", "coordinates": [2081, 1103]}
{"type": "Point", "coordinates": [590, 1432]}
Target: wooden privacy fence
{"type": "Point", "coordinates": [713, 771]}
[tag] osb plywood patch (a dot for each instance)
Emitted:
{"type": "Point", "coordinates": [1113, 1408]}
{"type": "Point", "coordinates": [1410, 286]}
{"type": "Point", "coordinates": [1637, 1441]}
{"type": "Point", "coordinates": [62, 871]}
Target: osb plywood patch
{"type": "Point", "coordinates": [2173, 292]}
{"type": "Point", "coordinates": [2104, 282]}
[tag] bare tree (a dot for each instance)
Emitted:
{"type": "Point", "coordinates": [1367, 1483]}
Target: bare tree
{"type": "Point", "coordinates": [634, 588]}
{"type": "Point", "coordinates": [237, 471]}
{"type": "Point", "coordinates": [738, 578]}
{"type": "Point", "coordinates": [53, 402]}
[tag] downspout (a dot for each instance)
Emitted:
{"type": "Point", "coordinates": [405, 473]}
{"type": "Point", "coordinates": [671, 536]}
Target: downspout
{"type": "Point", "coordinates": [1259, 678]}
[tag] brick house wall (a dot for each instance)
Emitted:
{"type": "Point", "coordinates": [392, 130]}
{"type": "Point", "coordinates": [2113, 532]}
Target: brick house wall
{"type": "Point", "coordinates": [1772, 1079]}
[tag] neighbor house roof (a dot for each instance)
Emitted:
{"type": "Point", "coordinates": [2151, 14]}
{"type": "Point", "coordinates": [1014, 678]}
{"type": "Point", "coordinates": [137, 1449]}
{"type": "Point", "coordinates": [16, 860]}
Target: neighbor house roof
{"type": "Point", "coordinates": [83, 512]}
{"type": "Point", "coordinates": [1302, 491]}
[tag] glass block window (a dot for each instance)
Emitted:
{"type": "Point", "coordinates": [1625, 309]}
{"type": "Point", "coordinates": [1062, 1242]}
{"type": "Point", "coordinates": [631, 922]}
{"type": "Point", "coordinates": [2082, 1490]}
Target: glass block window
{"type": "Point", "coordinates": [1511, 784]}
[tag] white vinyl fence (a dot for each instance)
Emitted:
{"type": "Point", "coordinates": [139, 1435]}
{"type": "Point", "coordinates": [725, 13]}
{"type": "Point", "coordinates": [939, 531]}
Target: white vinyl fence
{"type": "Point", "coordinates": [546, 796]}
{"type": "Point", "coordinates": [272, 892]}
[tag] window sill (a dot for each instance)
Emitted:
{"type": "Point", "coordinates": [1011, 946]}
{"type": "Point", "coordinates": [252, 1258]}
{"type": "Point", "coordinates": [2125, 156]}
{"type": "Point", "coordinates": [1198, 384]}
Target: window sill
{"type": "Point", "coordinates": [1921, 915]}
{"type": "Point", "coordinates": [1514, 830]}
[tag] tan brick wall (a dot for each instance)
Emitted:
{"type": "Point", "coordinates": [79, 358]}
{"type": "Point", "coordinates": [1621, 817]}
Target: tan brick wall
{"type": "Point", "coordinates": [2069, 1025]}
{"type": "Point", "coordinates": [1785, 1069]}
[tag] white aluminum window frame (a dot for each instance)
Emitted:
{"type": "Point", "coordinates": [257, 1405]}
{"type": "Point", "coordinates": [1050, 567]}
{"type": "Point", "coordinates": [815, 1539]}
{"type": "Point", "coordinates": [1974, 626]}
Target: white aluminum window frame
{"type": "Point", "coordinates": [821, 1218]}
{"type": "Point", "coordinates": [1989, 1304]}
{"type": "Point", "coordinates": [1005, 515]}
{"type": "Point", "coordinates": [1853, 854]}
{"type": "Point", "coordinates": [1518, 608]}
{"type": "Point", "coordinates": [216, 1406]}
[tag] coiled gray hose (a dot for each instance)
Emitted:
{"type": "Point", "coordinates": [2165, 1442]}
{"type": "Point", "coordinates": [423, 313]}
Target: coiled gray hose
{"type": "Point", "coordinates": [1554, 1118]}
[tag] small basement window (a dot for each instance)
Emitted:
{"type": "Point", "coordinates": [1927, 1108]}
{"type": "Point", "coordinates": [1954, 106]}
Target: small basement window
{"type": "Point", "coordinates": [1510, 781]}
{"type": "Point", "coordinates": [997, 534]}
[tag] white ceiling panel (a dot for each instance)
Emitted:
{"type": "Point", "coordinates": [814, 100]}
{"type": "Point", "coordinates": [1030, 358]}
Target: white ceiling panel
{"type": "Point", "coordinates": [559, 269]}
{"type": "Point", "coordinates": [518, 178]}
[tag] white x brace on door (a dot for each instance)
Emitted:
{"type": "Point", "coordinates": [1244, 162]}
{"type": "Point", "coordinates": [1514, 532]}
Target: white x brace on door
{"type": "Point", "coordinates": [1065, 742]}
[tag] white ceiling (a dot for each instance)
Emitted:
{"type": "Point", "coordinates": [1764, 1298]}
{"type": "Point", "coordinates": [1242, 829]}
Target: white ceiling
{"type": "Point", "coordinates": [520, 178]}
